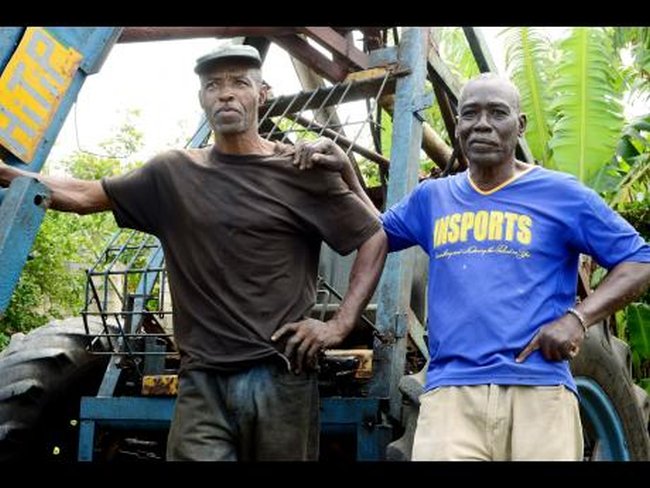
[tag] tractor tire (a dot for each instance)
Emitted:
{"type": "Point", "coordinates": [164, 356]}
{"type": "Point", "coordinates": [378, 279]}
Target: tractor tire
{"type": "Point", "coordinates": [615, 424]}
{"type": "Point", "coordinates": [43, 375]}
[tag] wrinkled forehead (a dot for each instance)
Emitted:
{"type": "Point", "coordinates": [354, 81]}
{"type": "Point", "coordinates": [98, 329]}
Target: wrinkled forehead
{"type": "Point", "coordinates": [489, 91]}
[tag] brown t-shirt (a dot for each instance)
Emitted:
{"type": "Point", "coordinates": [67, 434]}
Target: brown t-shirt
{"type": "Point", "coordinates": [241, 236]}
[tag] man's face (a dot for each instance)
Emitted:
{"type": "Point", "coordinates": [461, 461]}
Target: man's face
{"type": "Point", "coordinates": [230, 96]}
{"type": "Point", "coordinates": [489, 122]}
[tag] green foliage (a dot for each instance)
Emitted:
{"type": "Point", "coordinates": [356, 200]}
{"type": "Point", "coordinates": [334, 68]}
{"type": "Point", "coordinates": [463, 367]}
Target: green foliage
{"type": "Point", "coordinates": [455, 51]}
{"type": "Point", "coordinates": [638, 327]}
{"type": "Point", "coordinates": [292, 131]}
{"type": "Point", "coordinates": [636, 40]}
{"type": "Point", "coordinates": [52, 284]}
{"type": "Point", "coordinates": [589, 113]}
{"type": "Point", "coordinates": [529, 63]}
{"type": "Point", "coordinates": [370, 172]}
{"type": "Point", "coordinates": [629, 172]}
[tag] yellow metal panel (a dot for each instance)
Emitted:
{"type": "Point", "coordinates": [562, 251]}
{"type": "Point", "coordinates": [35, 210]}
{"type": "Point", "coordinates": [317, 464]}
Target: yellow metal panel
{"type": "Point", "coordinates": [364, 370]}
{"type": "Point", "coordinates": [31, 88]}
{"type": "Point", "coordinates": [366, 74]}
{"type": "Point", "coordinates": [160, 385]}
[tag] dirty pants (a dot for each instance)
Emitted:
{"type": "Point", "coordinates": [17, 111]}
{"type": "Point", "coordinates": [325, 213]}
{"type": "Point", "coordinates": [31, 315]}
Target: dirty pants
{"type": "Point", "coordinates": [265, 413]}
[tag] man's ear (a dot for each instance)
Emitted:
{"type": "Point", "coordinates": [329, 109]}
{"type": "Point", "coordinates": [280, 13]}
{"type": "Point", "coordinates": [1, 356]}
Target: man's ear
{"type": "Point", "coordinates": [200, 95]}
{"type": "Point", "coordinates": [523, 121]}
{"type": "Point", "coordinates": [264, 93]}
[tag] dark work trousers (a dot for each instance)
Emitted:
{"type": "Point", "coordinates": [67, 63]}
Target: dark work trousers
{"type": "Point", "coordinates": [265, 413]}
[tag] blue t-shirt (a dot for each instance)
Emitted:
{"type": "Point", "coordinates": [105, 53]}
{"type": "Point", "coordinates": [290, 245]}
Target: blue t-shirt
{"type": "Point", "coordinates": [502, 264]}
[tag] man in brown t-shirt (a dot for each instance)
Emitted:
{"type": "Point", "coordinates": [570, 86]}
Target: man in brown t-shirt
{"type": "Point", "coordinates": [241, 226]}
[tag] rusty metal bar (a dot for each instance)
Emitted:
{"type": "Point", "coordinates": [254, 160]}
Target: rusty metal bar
{"type": "Point", "coordinates": [300, 49]}
{"type": "Point", "coordinates": [448, 116]}
{"type": "Point", "coordinates": [145, 34]}
{"type": "Point", "coordinates": [332, 40]}
{"type": "Point", "coordinates": [440, 75]}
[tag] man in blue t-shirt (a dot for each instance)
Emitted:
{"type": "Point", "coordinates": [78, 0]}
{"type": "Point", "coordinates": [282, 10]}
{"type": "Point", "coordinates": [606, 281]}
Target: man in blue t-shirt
{"type": "Point", "coordinates": [503, 241]}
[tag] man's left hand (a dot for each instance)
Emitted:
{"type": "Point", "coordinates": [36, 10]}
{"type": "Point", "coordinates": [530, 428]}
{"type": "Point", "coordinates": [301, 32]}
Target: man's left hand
{"type": "Point", "coordinates": [558, 340]}
{"type": "Point", "coordinates": [308, 338]}
{"type": "Point", "coordinates": [323, 152]}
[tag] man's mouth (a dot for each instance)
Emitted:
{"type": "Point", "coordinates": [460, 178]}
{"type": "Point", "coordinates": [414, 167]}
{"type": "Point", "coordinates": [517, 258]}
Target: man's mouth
{"type": "Point", "coordinates": [226, 110]}
{"type": "Point", "coordinates": [482, 143]}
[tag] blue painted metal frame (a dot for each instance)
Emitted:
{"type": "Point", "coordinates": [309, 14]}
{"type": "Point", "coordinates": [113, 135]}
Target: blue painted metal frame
{"type": "Point", "coordinates": [94, 45]}
{"type": "Point", "coordinates": [395, 285]}
{"type": "Point", "coordinates": [607, 424]}
{"type": "Point", "coordinates": [21, 213]}
{"type": "Point", "coordinates": [356, 415]}
{"type": "Point", "coordinates": [9, 39]}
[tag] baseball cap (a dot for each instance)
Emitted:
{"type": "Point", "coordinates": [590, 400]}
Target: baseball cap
{"type": "Point", "coordinates": [224, 53]}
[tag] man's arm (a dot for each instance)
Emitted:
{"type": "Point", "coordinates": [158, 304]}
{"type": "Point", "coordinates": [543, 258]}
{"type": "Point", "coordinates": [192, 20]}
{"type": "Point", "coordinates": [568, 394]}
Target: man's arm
{"type": "Point", "coordinates": [327, 154]}
{"type": "Point", "coordinates": [68, 194]}
{"type": "Point", "coordinates": [623, 284]}
{"type": "Point", "coordinates": [310, 336]}
{"type": "Point", "coordinates": [561, 339]}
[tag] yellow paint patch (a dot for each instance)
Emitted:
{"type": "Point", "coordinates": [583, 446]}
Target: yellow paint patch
{"type": "Point", "coordinates": [160, 385]}
{"type": "Point", "coordinates": [31, 89]}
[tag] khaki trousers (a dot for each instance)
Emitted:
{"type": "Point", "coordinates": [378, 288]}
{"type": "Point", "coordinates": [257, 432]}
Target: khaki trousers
{"type": "Point", "coordinates": [498, 423]}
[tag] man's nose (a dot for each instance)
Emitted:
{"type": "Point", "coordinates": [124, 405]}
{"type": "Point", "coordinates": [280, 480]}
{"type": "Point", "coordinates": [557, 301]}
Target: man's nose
{"type": "Point", "coordinates": [226, 94]}
{"type": "Point", "coordinates": [482, 122]}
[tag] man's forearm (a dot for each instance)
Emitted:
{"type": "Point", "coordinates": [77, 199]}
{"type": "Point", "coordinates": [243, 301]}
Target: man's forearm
{"type": "Point", "coordinates": [364, 276]}
{"type": "Point", "coordinates": [622, 285]}
{"type": "Point", "coordinates": [67, 194]}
